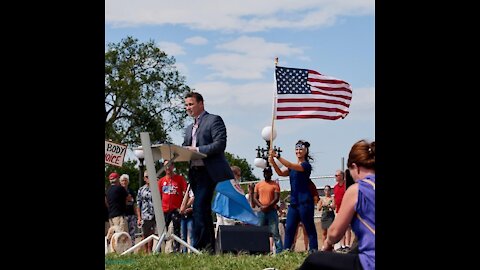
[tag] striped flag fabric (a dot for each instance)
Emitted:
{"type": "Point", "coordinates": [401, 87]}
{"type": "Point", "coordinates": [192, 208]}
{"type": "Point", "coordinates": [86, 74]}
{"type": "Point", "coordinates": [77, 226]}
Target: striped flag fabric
{"type": "Point", "coordinates": [308, 94]}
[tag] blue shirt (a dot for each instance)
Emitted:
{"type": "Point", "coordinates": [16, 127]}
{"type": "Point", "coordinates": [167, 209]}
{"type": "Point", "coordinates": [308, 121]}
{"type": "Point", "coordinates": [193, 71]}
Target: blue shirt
{"type": "Point", "coordinates": [365, 207]}
{"type": "Point", "coordinates": [299, 192]}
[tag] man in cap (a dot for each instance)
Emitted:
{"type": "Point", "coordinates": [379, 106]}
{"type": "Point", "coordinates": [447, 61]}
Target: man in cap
{"type": "Point", "coordinates": [117, 203]}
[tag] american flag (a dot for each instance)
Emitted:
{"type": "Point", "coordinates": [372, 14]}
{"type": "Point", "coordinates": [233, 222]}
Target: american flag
{"type": "Point", "coordinates": [304, 93]}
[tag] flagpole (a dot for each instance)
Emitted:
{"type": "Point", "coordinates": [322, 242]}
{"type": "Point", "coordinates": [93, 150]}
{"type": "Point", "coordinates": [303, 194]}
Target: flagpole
{"type": "Point", "coordinates": [185, 199]}
{"type": "Point", "coordinates": [274, 103]}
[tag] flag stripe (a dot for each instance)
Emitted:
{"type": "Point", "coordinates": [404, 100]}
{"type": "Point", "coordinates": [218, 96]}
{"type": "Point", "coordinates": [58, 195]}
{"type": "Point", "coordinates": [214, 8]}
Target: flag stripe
{"type": "Point", "coordinates": [334, 83]}
{"type": "Point", "coordinates": [331, 95]}
{"type": "Point", "coordinates": [320, 101]}
{"type": "Point", "coordinates": [303, 94]}
{"type": "Point", "coordinates": [313, 97]}
{"type": "Point", "coordinates": [313, 109]}
{"type": "Point", "coordinates": [315, 75]}
{"type": "Point", "coordinates": [280, 117]}
{"type": "Point", "coordinates": [294, 107]}
{"type": "Point", "coordinates": [335, 90]}
{"type": "Point", "coordinates": [326, 112]}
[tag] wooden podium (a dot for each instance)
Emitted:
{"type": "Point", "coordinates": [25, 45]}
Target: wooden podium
{"type": "Point", "coordinates": [172, 153]}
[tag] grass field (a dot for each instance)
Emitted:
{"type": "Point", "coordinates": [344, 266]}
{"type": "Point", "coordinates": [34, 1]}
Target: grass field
{"type": "Point", "coordinates": [172, 261]}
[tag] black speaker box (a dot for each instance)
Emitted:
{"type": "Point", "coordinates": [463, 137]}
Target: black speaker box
{"type": "Point", "coordinates": [243, 238]}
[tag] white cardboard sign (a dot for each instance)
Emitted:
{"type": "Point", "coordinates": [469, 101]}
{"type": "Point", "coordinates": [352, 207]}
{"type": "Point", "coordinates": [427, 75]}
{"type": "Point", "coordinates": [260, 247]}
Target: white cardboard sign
{"type": "Point", "coordinates": [115, 153]}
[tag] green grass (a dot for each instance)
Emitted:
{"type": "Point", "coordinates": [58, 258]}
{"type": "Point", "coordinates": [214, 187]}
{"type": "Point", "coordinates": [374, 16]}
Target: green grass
{"type": "Point", "coordinates": [172, 261]}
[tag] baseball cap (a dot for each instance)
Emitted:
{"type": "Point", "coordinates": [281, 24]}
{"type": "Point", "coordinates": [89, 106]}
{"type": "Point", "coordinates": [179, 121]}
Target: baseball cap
{"type": "Point", "coordinates": [113, 175]}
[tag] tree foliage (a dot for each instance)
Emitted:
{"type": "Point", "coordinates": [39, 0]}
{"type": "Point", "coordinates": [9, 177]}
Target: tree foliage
{"type": "Point", "coordinates": [247, 174]}
{"type": "Point", "coordinates": [143, 92]}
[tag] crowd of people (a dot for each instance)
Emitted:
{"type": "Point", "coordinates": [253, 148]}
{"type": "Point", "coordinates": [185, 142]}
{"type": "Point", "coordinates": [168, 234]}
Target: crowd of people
{"type": "Point", "coordinates": [348, 206]}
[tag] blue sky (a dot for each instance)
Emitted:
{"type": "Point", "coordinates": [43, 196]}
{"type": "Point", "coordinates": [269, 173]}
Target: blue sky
{"type": "Point", "coordinates": [226, 51]}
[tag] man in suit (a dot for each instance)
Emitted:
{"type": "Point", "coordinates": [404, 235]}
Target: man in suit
{"type": "Point", "coordinates": [207, 135]}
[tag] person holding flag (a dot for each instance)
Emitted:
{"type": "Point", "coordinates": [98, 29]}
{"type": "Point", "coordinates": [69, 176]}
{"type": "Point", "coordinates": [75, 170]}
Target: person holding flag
{"type": "Point", "coordinates": [301, 206]}
{"type": "Point", "coordinates": [304, 94]}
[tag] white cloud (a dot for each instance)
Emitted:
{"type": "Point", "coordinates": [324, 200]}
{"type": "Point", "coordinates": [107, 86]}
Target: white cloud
{"type": "Point", "coordinates": [171, 48]}
{"type": "Point", "coordinates": [248, 95]}
{"type": "Point", "coordinates": [241, 16]}
{"type": "Point", "coordinates": [234, 66]}
{"type": "Point", "coordinates": [257, 46]}
{"type": "Point", "coordinates": [246, 58]}
{"type": "Point", "coordinates": [362, 106]}
{"type": "Point", "coordinates": [196, 40]}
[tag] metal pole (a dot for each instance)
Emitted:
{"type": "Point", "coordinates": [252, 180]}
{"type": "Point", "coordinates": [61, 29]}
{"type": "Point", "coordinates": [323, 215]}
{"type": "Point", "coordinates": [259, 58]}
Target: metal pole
{"type": "Point", "coordinates": [152, 175]}
{"type": "Point", "coordinates": [139, 244]}
{"type": "Point", "coordinates": [140, 177]}
{"type": "Point", "coordinates": [343, 164]}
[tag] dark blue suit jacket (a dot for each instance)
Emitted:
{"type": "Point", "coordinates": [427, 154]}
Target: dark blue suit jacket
{"type": "Point", "coordinates": [211, 140]}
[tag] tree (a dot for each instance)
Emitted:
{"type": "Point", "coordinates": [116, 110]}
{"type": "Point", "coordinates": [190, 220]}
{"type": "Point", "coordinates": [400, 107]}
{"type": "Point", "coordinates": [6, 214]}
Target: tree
{"type": "Point", "coordinates": [247, 174]}
{"type": "Point", "coordinates": [143, 93]}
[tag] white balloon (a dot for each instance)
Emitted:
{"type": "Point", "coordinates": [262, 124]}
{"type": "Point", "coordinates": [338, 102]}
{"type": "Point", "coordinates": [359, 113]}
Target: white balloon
{"type": "Point", "coordinates": [266, 132]}
{"type": "Point", "coordinates": [260, 163]}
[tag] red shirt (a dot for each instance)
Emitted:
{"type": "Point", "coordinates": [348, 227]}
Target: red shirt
{"type": "Point", "coordinates": [338, 192]}
{"type": "Point", "coordinates": [172, 191]}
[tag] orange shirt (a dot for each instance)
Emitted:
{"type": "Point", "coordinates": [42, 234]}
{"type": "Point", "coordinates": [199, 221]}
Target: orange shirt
{"type": "Point", "coordinates": [266, 191]}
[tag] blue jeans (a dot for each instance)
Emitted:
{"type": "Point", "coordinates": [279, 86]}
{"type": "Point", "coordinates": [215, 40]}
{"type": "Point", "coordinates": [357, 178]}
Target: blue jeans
{"type": "Point", "coordinates": [175, 217]}
{"type": "Point", "coordinates": [187, 225]}
{"type": "Point", "coordinates": [203, 232]}
{"type": "Point", "coordinates": [270, 219]}
{"type": "Point", "coordinates": [132, 225]}
{"type": "Point", "coordinates": [304, 213]}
